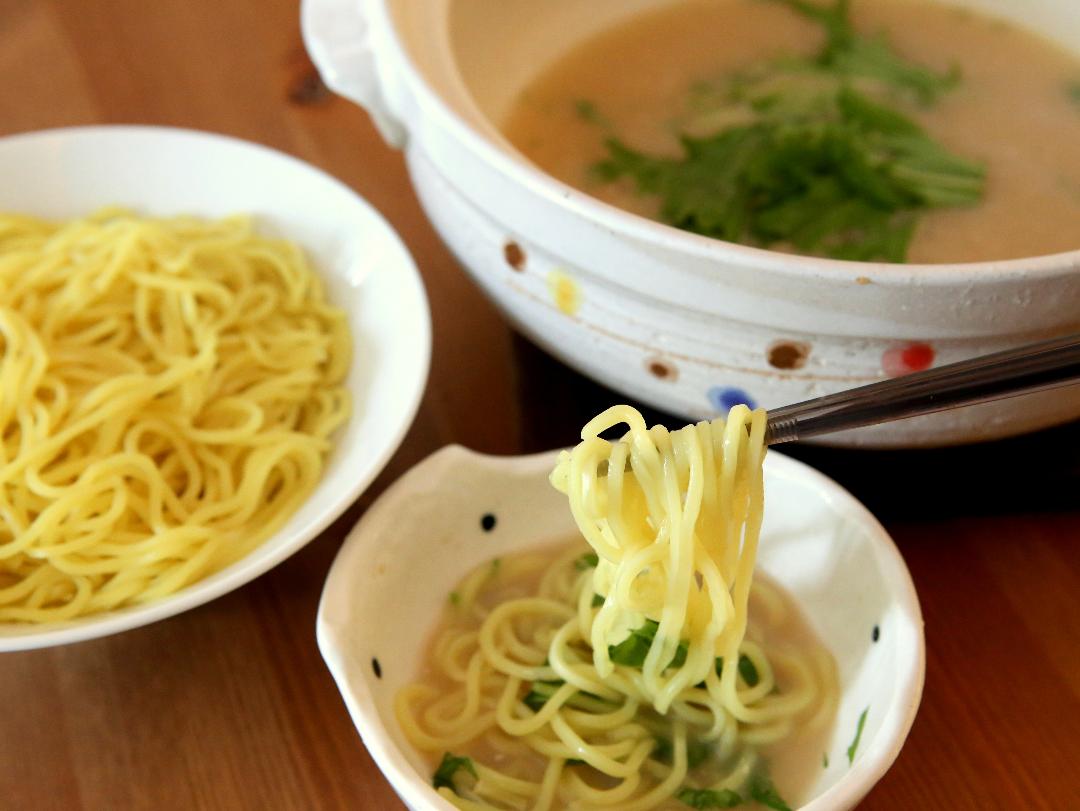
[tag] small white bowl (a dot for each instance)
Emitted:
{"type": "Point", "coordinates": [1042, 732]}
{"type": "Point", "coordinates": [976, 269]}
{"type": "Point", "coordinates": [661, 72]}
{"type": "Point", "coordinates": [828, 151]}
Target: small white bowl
{"type": "Point", "coordinates": [392, 577]}
{"type": "Point", "coordinates": [368, 272]}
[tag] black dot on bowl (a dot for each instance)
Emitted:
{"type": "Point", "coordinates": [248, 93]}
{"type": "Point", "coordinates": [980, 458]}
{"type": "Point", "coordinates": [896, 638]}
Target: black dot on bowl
{"type": "Point", "coordinates": [487, 522]}
{"type": "Point", "coordinates": [376, 667]}
{"type": "Point", "coordinates": [514, 255]}
{"type": "Point", "coordinates": [788, 354]}
{"type": "Point", "coordinates": [662, 369]}
{"type": "Point", "coordinates": [876, 635]}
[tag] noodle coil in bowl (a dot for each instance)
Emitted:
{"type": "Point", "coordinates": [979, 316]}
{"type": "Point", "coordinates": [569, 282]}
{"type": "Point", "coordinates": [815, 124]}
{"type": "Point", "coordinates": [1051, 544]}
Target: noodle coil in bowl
{"type": "Point", "coordinates": [503, 703]}
{"type": "Point", "coordinates": [194, 380]}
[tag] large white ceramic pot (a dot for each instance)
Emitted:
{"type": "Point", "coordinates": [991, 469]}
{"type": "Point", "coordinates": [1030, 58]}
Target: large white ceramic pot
{"type": "Point", "coordinates": [683, 322]}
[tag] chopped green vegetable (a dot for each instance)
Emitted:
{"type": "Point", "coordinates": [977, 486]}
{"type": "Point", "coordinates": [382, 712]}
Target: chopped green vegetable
{"type": "Point", "coordinates": [858, 734]}
{"type": "Point", "coordinates": [597, 600]}
{"type": "Point", "coordinates": [852, 55]}
{"type": "Point", "coordinates": [697, 752]}
{"type": "Point", "coordinates": [541, 691]}
{"type": "Point", "coordinates": [817, 158]}
{"type": "Point", "coordinates": [633, 650]}
{"type": "Point", "coordinates": [709, 798]}
{"type": "Point", "coordinates": [747, 670]}
{"type": "Point", "coordinates": [763, 791]}
{"type": "Point", "coordinates": [1072, 90]}
{"type": "Point", "coordinates": [448, 770]}
{"type": "Point", "coordinates": [824, 760]}
{"type": "Point", "coordinates": [590, 560]}
{"type": "Point", "coordinates": [455, 598]}
{"type": "Point", "coordinates": [587, 111]}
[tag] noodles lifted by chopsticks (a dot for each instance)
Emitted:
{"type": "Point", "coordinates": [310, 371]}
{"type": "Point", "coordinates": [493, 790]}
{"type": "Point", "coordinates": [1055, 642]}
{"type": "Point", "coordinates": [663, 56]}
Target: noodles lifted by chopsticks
{"type": "Point", "coordinates": [168, 388]}
{"type": "Point", "coordinates": [634, 676]}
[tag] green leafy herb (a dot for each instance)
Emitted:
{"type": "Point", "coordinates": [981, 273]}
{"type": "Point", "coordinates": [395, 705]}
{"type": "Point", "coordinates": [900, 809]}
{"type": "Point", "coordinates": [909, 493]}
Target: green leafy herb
{"type": "Point", "coordinates": [455, 598]}
{"type": "Point", "coordinates": [824, 760]}
{"type": "Point", "coordinates": [587, 111]}
{"type": "Point", "coordinates": [1072, 90]}
{"type": "Point", "coordinates": [597, 600]}
{"type": "Point", "coordinates": [496, 564]}
{"type": "Point", "coordinates": [448, 770]}
{"type": "Point", "coordinates": [763, 791]}
{"type": "Point", "coordinates": [747, 670]}
{"type": "Point", "coordinates": [633, 650]}
{"type": "Point", "coordinates": [590, 560]}
{"type": "Point", "coordinates": [697, 752]}
{"type": "Point", "coordinates": [815, 159]}
{"type": "Point", "coordinates": [852, 55]}
{"type": "Point", "coordinates": [541, 691]}
{"type": "Point", "coordinates": [858, 734]}
{"type": "Point", "coordinates": [664, 751]}
{"type": "Point", "coordinates": [703, 798]}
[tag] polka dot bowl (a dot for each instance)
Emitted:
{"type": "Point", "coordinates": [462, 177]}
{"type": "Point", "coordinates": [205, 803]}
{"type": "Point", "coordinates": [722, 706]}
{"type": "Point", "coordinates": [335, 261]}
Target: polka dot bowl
{"type": "Point", "coordinates": [457, 510]}
{"type": "Point", "coordinates": [685, 323]}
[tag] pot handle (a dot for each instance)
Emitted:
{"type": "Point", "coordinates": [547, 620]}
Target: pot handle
{"type": "Point", "coordinates": [337, 34]}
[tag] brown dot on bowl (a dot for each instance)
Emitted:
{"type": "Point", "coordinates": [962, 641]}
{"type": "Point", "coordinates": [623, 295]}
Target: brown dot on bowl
{"type": "Point", "coordinates": [308, 88]}
{"type": "Point", "coordinates": [515, 256]}
{"type": "Point", "coordinates": [788, 354]}
{"type": "Point", "coordinates": [662, 369]}
{"type": "Point", "coordinates": [862, 280]}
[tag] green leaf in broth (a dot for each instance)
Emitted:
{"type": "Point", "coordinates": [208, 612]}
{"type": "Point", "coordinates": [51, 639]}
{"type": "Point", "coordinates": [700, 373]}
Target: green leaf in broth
{"type": "Point", "coordinates": [590, 560]}
{"type": "Point", "coordinates": [763, 791]}
{"type": "Point", "coordinates": [706, 798]}
{"type": "Point", "coordinates": [447, 773]}
{"type": "Point", "coordinates": [1072, 92]}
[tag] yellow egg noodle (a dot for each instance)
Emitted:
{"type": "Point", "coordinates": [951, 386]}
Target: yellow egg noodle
{"type": "Point", "coordinates": [168, 388]}
{"type": "Point", "coordinates": [602, 685]}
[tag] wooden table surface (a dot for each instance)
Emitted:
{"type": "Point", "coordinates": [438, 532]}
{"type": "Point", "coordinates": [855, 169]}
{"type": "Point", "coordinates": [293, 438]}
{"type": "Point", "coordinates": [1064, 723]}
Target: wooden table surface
{"type": "Point", "coordinates": [229, 706]}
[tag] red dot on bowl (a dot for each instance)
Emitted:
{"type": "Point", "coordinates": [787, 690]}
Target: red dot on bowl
{"type": "Point", "coordinates": [902, 360]}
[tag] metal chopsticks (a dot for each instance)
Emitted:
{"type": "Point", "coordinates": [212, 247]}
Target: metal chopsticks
{"type": "Point", "coordinates": [1030, 368]}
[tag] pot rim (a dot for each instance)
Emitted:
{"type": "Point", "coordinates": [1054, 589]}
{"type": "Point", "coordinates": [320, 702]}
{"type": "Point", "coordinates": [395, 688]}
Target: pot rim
{"type": "Point", "coordinates": [621, 223]}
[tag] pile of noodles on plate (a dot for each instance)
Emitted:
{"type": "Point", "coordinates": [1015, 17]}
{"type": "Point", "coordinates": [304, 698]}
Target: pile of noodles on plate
{"type": "Point", "coordinates": [168, 388]}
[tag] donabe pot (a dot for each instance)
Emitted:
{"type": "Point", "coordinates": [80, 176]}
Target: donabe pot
{"type": "Point", "coordinates": [685, 323]}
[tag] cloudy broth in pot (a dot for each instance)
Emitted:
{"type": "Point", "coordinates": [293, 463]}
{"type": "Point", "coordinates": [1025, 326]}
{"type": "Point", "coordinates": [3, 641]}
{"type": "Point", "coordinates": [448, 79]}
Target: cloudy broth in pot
{"type": "Point", "coordinates": [967, 150]}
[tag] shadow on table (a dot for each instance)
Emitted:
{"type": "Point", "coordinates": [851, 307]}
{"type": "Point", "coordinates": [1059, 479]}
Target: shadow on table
{"type": "Point", "coordinates": [1032, 473]}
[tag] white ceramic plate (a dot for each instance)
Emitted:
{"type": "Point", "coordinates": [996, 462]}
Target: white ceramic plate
{"type": "Point", "coordinates": [368, 272]}
{"type": "Point", "coordinates": [392, 577]}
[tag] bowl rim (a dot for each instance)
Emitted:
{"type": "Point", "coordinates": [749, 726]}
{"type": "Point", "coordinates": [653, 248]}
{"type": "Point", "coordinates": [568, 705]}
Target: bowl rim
{"type": "Point", "coordinates": [625, 224]}
{"type": "Point", "coordinates": [244, 570]}
{"type": "Point", "coordinates": [437, 468]}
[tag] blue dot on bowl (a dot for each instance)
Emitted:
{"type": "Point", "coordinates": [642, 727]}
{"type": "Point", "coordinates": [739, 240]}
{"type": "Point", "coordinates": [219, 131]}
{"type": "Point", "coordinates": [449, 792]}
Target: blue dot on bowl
{"type": "Point", "coordinates": [724, 398]}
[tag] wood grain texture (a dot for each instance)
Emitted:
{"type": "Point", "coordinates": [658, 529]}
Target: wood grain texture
{"type": "Point", "coordinates": [230, 707]}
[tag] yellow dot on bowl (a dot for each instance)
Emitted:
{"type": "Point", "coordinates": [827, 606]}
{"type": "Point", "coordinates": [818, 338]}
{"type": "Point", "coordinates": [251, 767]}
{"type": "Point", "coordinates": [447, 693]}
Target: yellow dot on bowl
{"type": "Point", "coordinates": [565, 291]}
